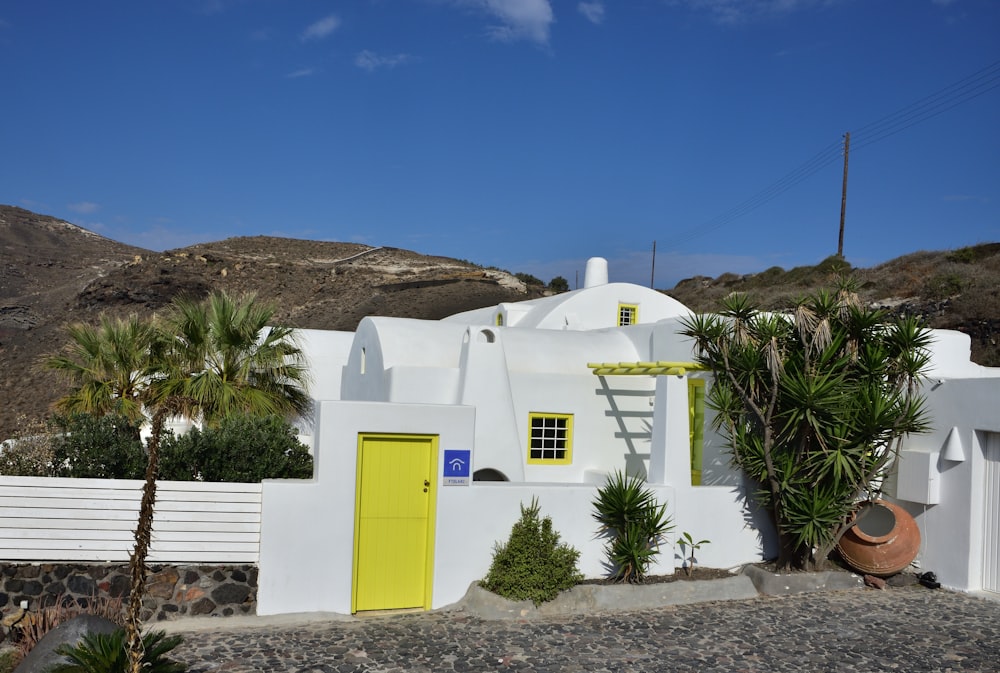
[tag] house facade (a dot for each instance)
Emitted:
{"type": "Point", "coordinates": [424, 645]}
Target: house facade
{"type": "Point", "coordinates": [428, 436]}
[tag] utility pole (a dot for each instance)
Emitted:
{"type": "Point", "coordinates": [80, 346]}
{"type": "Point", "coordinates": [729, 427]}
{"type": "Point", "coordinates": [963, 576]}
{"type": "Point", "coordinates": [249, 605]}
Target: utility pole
{"type": "Point", "coordinates": [843, 195]}
{"type": "Point", "coordinates": [652, 272]}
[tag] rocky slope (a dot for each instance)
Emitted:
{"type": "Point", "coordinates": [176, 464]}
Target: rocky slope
{"type": "Point", "coordinates": [54, 273]}
{"type": "Point", "coordinates": [953, 289]}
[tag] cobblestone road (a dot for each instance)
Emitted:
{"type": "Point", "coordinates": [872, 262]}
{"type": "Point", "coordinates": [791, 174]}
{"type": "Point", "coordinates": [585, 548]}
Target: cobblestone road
{"type": "Point", "coordinates": [909, 630]}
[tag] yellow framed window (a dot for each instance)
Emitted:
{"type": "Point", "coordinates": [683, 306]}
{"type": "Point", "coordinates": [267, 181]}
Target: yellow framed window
{"type": "Point", "coordinates": [550, 439]}
{"type": "Point", "coordinates": [628, 314]}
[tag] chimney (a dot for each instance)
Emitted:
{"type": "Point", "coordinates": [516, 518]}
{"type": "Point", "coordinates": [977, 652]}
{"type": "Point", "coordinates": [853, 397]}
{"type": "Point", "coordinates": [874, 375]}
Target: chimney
{"type": "Point", "coordinates": [596, 273]}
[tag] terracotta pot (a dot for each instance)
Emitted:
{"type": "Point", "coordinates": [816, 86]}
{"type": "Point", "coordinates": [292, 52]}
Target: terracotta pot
{"type": "Point", "coordinates": [885, 540]}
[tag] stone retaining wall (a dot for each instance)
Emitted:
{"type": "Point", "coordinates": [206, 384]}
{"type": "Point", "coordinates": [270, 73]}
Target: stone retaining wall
{"type": "Point", "coordinates": [171, 591]}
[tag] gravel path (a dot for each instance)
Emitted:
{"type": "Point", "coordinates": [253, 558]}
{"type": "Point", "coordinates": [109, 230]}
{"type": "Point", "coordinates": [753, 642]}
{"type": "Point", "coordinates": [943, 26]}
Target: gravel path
{"type": "Point", "coordinates": [909, 630]}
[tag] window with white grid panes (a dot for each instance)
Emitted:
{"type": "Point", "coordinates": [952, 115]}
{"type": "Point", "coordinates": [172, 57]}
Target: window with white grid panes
{"type": "Point", "coordinates": [550, 439]}
{"type": "Point", "coordinates": [628, 314]}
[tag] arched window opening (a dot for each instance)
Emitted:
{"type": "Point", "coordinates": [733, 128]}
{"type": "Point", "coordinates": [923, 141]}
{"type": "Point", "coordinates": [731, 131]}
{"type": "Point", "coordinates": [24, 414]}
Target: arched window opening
{"type": "Point", "coordinates": [489, 474]}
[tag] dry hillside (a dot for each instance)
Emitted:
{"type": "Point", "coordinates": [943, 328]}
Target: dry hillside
{"type": "Point", "coordinates": [54, 273]}
{"type": "Point", "coordinates": [955, 289]}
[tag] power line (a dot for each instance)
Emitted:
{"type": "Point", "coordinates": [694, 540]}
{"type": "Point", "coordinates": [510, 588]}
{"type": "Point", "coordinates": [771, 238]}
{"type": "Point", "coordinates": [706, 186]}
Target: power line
{"type": "Point", "coordinates": [940, 101]}
{"type": "Point", "coordinates": [928, 107]}
{"type": "Point", "coordinates": [821, 160]}
{"type": "Point", "coordinates": [931, 109]}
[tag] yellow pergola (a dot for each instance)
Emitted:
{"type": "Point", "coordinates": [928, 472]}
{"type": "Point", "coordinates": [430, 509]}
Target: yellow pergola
{"type": "Point", "coordinates": [659, 368]}
{"type": "Point", "coordinates": [696, 396]}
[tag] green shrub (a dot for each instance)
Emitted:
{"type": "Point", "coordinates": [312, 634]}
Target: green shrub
{"type": "Point", "coordinates": [82, 446]}
{"type": "Point", "coordinates": [533, 565]}
{"type": "Point", "coordinates": [635, 522]}
{"type": "Point", "coordinates": [105, 653]}
{"type": "Point", "coordinates": [97, 447]}
{"type": "Point", "coordinates": [943, 285]}
{"type": "Point", "coordinates": [242, 449]}
{"type": "Point", "coordinates": [964, 255]}
{"type": "Point", "coordinates": [528, 279]}
{"type": "Point", "coordinates": [559, 284]}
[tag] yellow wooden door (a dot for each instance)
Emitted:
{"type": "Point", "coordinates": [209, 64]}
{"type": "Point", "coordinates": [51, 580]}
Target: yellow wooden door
{"type": "Point", "coordinates": [394, 522]}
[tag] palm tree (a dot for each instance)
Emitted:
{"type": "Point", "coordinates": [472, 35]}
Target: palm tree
{"type": "Point", "coordinates": [210, 359]}
{"type": "Point", "coordinates": [227, 359]}
{"type": "Point", "coordinates": [204, 360]}
{"type": "Point", "coordinates": [107, 366]}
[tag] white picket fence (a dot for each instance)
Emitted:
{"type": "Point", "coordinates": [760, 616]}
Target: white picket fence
{"type": "Point", "coordinates": [92, 520]}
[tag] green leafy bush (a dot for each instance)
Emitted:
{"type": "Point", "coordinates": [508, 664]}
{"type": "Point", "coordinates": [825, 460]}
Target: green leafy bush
{"type": "Point", "coordinates": [533, 564]}
{"type": "Point", "coordinates": [635, 522]}
{"type": "Point", "coordinates": [243, 449]}
{"type": "Point", "coordinates": [559, 284]}
{"type": "Point", "coordinates": [82, 446]}
{"type": "Point", "coordinates": [105, 653]}
{"type": "Point", "coordinates": [85, 446]}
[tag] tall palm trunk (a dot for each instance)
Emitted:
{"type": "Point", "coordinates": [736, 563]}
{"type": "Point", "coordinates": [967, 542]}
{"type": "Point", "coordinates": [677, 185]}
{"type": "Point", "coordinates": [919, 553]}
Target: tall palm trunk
{"type": "Point", "coordinates": [137, 562]}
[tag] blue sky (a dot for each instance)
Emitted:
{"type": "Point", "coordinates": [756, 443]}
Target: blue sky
{"type": "Point", "coordinates": [524, 134]}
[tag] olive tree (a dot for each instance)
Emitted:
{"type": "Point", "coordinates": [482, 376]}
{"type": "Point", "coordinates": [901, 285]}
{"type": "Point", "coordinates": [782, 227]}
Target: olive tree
{"type": "Point", "coordinates": [813, 406]}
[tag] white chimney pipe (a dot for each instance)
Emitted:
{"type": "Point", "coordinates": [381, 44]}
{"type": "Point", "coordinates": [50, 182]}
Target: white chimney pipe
{"type": "Point", "coordinates": [596, 273]}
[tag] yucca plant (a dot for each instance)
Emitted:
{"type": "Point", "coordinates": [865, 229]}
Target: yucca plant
{"type": "Point", "coordinates": [635, 522]}
{"type": "Point", "coordinates": [106, 653]}
{"type": "Point", "coordinates": [813, 406]}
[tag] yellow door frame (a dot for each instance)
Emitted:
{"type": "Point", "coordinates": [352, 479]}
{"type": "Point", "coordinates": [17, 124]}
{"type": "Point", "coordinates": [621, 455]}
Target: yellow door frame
{"type": "Point", "coordinates": [431, 485]}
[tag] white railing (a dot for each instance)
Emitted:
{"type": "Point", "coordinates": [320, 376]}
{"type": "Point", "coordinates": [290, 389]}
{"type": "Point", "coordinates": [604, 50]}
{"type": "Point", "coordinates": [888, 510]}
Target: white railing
{"type": "Point", "coordinates": [53, 519]}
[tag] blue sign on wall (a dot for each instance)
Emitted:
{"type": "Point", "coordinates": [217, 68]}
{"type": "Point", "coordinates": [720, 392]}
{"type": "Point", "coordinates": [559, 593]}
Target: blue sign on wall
{"type": "Point", "coordinates": [457, 467]}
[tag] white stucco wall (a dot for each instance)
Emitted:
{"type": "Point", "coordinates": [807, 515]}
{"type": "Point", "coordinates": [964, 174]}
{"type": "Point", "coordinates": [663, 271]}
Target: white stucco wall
{"type": "Point", "coordinates": [326, 352]}
{"type": "Point", "coordinates": [952, 530]}
{"type": "Point", "coordinates": [471, 520]}
{"type": "Point", "coordinates": [307, 529]}
{"type": "Point", "coordinates": [950, 357]}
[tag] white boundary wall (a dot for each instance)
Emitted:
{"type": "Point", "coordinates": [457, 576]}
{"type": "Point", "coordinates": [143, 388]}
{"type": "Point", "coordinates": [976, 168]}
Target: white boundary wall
{"type": "Point", "coordinates": [306, 561]}
{"type": "Point", "coordinates": [92, 520]}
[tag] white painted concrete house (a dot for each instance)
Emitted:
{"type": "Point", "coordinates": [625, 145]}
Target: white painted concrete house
{"type": "Point", "coordinates": [429, 435]}
{"type": "Point", "coordinates": [949, 479]}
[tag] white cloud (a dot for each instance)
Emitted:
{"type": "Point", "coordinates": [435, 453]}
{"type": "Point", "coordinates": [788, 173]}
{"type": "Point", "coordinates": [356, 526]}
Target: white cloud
{"type": "Point", "coordinates": [302, 72]}
{"type": "Point", "coordinates": [594, 11]}
{"type": "Point", "coordinates": [320, 29]}
{"type": "Point", "coordinates": [84, 207]}
{"type": "Point", "coordinates": [519, 19]}
{"type": "Point", "coordinates": [370, 61]}
{"type": "Point", "coordinates": [740, 11]}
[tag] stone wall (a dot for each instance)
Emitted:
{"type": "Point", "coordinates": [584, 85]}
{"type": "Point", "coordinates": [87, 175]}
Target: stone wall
{"type": "Point", "coordinates": [172, 592]}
